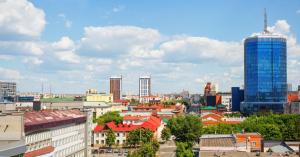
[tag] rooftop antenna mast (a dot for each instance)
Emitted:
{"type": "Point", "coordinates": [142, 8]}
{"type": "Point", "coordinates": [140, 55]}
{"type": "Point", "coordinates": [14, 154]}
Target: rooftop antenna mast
{"type": "Point", "coordinates": [265, 22]}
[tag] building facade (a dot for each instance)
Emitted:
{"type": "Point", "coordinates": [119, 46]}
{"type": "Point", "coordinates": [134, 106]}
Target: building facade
{"type": "Point", "coordinates": [144, 87]}
{"type": "Point", "coordinates": [226, 100]}
{"type": "Point", "coordinates": [56, 133]}
{"type": "Point", "coordinates": [154, 124]}
{"type": "Point", "coordinates": [237, 96]}
{"type": "Point", "coordinates": [8, 91]}
{"type": "Point", "coordinates": [93, 95]}
{"type": "Point", "coordinates": [115, 84]}
{"type": "Point", "coordinates": [265, 61]}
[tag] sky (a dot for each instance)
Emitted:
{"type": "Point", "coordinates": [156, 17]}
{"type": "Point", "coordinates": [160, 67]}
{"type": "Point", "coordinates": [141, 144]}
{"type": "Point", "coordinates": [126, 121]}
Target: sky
{"type": "Point", "coordinates": [73, 45]}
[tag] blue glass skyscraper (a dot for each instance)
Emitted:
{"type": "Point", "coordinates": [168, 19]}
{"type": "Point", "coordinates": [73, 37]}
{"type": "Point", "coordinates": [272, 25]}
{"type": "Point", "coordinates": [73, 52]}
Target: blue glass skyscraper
{"type": "Point", "coordinates": [265, 73]}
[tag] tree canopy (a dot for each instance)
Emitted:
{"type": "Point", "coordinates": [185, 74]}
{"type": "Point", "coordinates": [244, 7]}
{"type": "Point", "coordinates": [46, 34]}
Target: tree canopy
{"type": "Point", "coordinates": [139, 135]}
{"type": "Point", "coordinates": [109, 117]}
{"type": "Point", "coordinates": [166, 134]}
{"type": "Point", "coordinates": [110, 138]}
{"type": "Point", "coordinates": [148, 149]}
{"type": "Point", "coordinates": [271, 127]}
{"type": "Point", "coordinates": [185, 128]}
{"type": "Point", "coordinates": [184, 149]}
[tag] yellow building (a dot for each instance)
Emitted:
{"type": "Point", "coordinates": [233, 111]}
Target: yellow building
{"type": "Point", "coordinates": [93, 95]}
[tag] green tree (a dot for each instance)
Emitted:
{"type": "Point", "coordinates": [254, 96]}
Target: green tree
{"type": "Point", "coordinates": [110, 138]}
{"type": "Point", "coordinates": [148, 149]}
{"type": "Point", "coordinates": [184, 149]}
{"type": "Point", "coordinates": [109, 117]}
{"type": "Point", "coordinates": [140, 135]}
{"type": "Point", "coordinates": [166, 134]}
{"type": "Point", "coordinates": [185, 128]}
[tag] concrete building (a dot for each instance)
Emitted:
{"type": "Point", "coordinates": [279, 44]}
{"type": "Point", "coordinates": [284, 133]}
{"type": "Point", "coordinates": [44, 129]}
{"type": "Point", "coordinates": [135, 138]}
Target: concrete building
{"type": "Point", "coordinates": [246, 142]}
{"type": "Point", "coordinates": [47, 133]}
{"type": "Point", "coordinates": [12, 137]}
{"type": "Point", "coordinates": [226, 100]}
{"type": "Point", "coordinates": [55, 133]}
{"type": "Point", "coordinates": [144, 87]}
{"type": "Point", "coordinates": [115, 84]}
{"type": "Point", "coordinates": [8, 91]}
{"type": "Point", "coordinates": [93, 95]}
{"type": "Point", "coordinates": [292, 108]}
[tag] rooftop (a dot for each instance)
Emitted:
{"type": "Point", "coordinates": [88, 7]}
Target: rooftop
{"type": "Point", "coordinates": [37, 120]}
{"type": "Point", "coordinates": [55, 100]}
{"type": "Point", "coordinates": [152, 124]}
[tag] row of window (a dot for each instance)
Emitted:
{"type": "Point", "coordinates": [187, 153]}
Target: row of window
{"type": "Point", "coordinates": [37, 137]}
{"type": "Point", "coordinates": [117, 134]}
{"type": "Point", "coordinates": [38, 145]}
{"type": "Point", "coordinates": [70, 150]}
{"type": "Point", "coordinates": [67, 130]}
{"type": "Point", "coordinates": [68, 139]}
{"type": "Point", "coordinates": [103, 142]}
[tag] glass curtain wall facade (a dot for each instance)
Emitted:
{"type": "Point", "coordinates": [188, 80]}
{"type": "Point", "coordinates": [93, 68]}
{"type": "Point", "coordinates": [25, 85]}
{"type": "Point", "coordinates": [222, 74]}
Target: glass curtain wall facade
{"type": "Point", "coordinates": [265, 74]}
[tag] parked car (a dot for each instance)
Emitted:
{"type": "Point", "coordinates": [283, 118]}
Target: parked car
{"type": "Point", "coordinates": [109, 150]}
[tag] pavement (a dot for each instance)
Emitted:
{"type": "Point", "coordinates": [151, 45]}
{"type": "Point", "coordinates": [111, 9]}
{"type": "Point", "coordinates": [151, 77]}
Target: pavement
{"type": "Point", "coordinates": [167, 149]}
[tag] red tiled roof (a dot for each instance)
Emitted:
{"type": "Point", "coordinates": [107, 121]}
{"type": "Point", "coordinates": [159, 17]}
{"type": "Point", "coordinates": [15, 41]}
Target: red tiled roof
{"type": "Point", "coordinates": [152, 124]}
{"type": "Point", "coordinates": [98, 128]}
{"type": "Point", "coordinates": [213, 115]}
{"type": "Point", "coordinates": [39, 152]}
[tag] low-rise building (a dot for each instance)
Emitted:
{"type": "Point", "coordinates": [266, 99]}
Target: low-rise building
{"type": "Point", "coordinates": [210, 118]}
{"type": "Point", "coordinates": [152, 123]}
{"type": "Point", "coordinates": [247, 142]}
{"type": "Point", "coordinates": [93, 95]}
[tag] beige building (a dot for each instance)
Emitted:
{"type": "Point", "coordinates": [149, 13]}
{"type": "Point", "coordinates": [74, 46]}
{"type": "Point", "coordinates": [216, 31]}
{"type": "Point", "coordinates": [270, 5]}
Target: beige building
{"type": "Point", "coordinates": [93, 95]}
{"type": "Point", "coordinates": [12, 137]}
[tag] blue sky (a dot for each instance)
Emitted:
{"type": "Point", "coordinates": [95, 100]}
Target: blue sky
{"type": "Point", "coordinates": [74, 45]}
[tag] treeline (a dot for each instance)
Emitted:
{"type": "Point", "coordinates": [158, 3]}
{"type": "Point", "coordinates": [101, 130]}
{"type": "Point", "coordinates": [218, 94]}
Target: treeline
{"type": "Point", "coordinates": [271, 127]}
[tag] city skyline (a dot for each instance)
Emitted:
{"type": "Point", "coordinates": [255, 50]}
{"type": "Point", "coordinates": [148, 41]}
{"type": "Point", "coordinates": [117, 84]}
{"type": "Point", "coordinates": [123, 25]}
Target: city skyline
{"type": "Point", "coordinates": [75, 51]}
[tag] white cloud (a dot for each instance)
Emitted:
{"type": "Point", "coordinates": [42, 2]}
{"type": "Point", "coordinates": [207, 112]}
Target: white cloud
{"type": "Point", "coordinates": [64, 50]}
{"type": "Point", "coordinates": [117, 40]}
{"type": "Point", "coordinates": [68, 56]}
{"type": "Point", "coordinates": [21, 48]}
{"type": "Point", "coordinates": [32, 60]}
{"type": "Point", "coordinates": [201, 49]}
{"type": "Point", "coordinates": [6, 57]}
{"type": "Point", "coordinates": [281, 26]}
{"type": "Point", "coordinates": [9, 74]}
{"type": "Point", "coordinates": [20, 19]}
{"type": "Point", "coordinates": [65, 43]}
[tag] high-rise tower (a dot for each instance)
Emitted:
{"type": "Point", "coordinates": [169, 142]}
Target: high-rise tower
{"type": "Point", "coordinates": [116, 87]}
{"type": "Point", "coordinates": [144, 86]}
{"type": "Point", "coordinates": [265, 72]}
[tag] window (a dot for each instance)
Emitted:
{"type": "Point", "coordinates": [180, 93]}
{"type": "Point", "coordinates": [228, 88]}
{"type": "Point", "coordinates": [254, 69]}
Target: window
{"type": "Point", "coordinates": [253, 143]}
{"type": "Point", "coordinates": [97, 141]}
